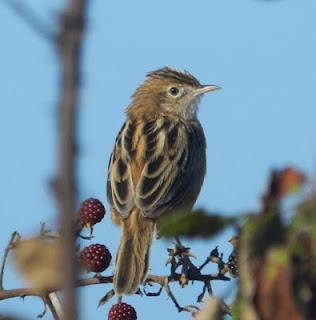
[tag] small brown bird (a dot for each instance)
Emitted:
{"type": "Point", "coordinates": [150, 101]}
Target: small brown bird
{"type": "Point", "coordinates": [157, 166]}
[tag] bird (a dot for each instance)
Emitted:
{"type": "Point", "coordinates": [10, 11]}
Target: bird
{"type": "Point", "coordinates": [157, 166]}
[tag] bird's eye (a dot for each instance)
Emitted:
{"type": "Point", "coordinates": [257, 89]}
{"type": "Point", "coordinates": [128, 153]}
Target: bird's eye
{"type": "Point", "coordinates": [174, 91]}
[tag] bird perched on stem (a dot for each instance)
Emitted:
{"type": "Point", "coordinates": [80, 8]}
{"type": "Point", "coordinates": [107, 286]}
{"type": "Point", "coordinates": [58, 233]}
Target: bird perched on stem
{"type": "Point", "coordinates": [157, 166]}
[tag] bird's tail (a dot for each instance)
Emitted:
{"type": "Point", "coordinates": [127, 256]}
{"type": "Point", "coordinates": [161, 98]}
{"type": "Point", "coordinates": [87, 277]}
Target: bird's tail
{"type": "Point", "coordinates": [133, 254]}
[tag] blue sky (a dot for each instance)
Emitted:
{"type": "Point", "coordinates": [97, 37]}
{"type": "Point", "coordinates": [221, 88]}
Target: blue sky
{"type": "Point", "coordinates": [262, 53]}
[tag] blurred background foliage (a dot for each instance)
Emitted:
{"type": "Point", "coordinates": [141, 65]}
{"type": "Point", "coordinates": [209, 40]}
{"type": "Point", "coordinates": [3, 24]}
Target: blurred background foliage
{"type": "Point", "coordinates": [276, 258]}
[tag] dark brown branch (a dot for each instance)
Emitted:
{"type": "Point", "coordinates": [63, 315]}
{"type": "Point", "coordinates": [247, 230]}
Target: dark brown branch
{"type": "Point", "coordinates": [69, 43]}
{"type": "Point", "coordinates": [194, 277]}
{"type": "Point", "coordinates": [173, 298]}
{"type": "Point", "coordinates": [165, 280]}
{"type": "Point", "coordinates": [153, 294]}
{"type": "Point", "coordinates": [25, 13]}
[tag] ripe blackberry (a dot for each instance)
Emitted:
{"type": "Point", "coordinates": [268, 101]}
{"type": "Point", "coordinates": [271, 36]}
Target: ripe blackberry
{"type": "Point", "coordinates": [91, 212]}
{"type": "Point", "coordinates": [122, 311]}
{"type": "Point", "coordinates": [95, 258]}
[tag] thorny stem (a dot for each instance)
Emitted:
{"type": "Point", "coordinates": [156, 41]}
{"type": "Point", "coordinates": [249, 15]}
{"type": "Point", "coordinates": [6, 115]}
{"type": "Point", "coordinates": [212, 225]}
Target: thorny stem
{"type": "Point", "coordinates": [69, 44]}
{"type": "Point", "coordinates": [14, 238]}
{"type": "Point", "coordinates": [164, 281]}
{"type": "Point", "coordinates": [36, 292]}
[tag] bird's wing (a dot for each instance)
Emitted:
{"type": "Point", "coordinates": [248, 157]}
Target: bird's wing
{"type": "Point", "coordinates": [151, 166]}
{"type": "Point", "coordinates": [120, 188]}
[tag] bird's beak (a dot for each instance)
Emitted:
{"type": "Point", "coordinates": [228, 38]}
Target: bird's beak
{"type": "Point", "coordinates": [205, 88]}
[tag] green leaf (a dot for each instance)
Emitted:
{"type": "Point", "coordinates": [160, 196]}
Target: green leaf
{"type": "Point", "coordinates": [193, 224]}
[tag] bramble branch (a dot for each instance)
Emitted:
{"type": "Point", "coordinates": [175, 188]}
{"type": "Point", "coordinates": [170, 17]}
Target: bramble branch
{"type": "Point", "coordinates": [69, 44]}
{"type": "Point", "coordinates": [14, 238]}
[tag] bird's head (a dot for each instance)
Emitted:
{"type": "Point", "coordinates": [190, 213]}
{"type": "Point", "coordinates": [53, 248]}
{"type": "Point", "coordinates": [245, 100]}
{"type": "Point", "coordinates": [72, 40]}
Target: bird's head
{"type": "Point", "coordinates": [169, 91]}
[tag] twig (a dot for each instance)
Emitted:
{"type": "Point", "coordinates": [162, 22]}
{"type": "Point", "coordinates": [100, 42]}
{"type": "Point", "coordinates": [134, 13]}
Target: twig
{"type": "Point", "coordinates": [222, 266]}
{"type": "Point", "coordinates": [14, 237]}
{"type": "Point", "coordinates": [190, 308]}
{"type": "Point", "coordinates": [69, 43]}
{"type": "Point", "coordinates": [42, 314]}
{"type": "Point", "coordinates": [209, 288]}
{"type": "Point", "coordinates": [178, 242]}
{"type": "Point", "coordinates": [205, 263]}
{"type": "Point", "coordinates": [23, 292]}
{"type": "Point", "coordinates": [202, 294]}
{"type": "Point", "coordinates": [25, 13]}
{"type": "Point", "coordinates": [171, 295]}
{"type": "Point", "coordinates": [55, 306]}
{"type": "Point", "coordinates": [165, 280]}
{"type": "Point", "coordinates": [176, 303]}
{"type": "Point", "coordinates": [36, 292]}
{"type": "Point", "coordinates": [153, 294]}
{"type": "Point", "coordinates": [193, 277]}
{"type": "Point", "coordinates": [109, 295]}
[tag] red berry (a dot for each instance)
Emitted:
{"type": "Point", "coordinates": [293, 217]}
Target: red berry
{"type": "Point", "coordinates": [91, 211]}
{"type": "Point", "coordinates": [122, 311]}
{"type": "Point", "coordinates": [96, 257]}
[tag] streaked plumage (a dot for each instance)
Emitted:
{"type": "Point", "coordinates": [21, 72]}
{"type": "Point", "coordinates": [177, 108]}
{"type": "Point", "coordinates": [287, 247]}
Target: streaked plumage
{"type": "Point", "coordinates": [157, 166]}
{"type": "Point", "coordinates": [153, 164]}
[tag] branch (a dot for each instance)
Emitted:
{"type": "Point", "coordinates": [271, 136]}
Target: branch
{"type": "Point", "coordinates": [194, 277]}
{"type": "Point", "coordinates": [55, 306]}
{"type": "Point", "coordinates": [25, 13]}
{"type": "Point", "coordinates": [36, 292]}
{"type": "Point", "coordinates": [69, 44]}
{"type": "Point", "coordinates": [162, 280]}
{"type": "Point", "coordinates": [14, 238]}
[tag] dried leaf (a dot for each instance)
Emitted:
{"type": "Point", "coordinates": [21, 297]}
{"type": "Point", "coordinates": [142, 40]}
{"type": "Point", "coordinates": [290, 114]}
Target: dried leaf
{"type": "Point", "coordinates": [274, 297]}
{"type": "Point", "coordinates": [281, 183]}
{"type": "Point", "coordinates": [37, 259]}
{"type": "Point", "coordinates": [291, 180]}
